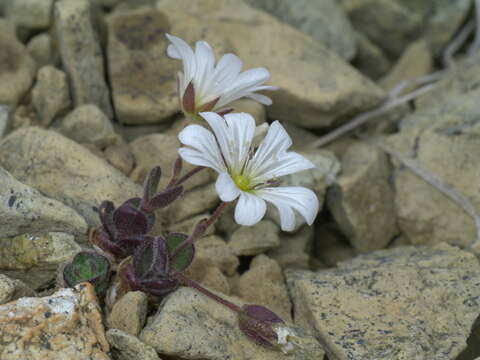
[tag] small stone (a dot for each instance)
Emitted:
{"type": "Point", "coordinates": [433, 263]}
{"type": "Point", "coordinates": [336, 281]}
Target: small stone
{"type": "Point", "coordinates": [50, 95]}
{"type": "Point", "coordinates": [403, 303]}
{"type": "Point", "coordinates": [370, 59]}
{"type": "Point", "coordinates": [416, 61]}
{"type": "Point", "coordinates": [214, 280]}
{"type": "Point", "coordinates": [129, 313]}
{"type": "Point", "coordinates": [130, 347]}
{"type": "Point", "coordinates": [362, 200]}
{"type": "Point", "coordinates": [17, 68]}
{"type": "Point", "coordinates": [81, 53]}
{"type": "Point", "coordinates": [192, 326]}
{"type": "Point", "coordinates": [257, 110]}
{"type": "Point", "coordinates": [120, 156]}
{"type": "Point", "coordinates": [34, 259]}
{"type": "Point", "coordinates": [187, 226]}
{"type": "Point", "coordinates": [65, 171]}
{"type": "Point", "coordinates": [23, 209]}
{"type": "Point", "coordinates": [331, 247]}
{"type": "Point", "coordinates": [254, 240]}
{"type": "Point", "coordinates": [66, 325]}
{"type": "Point", "coordinates": [30, 14]}
{"type": "Point", "coordinates": [13, 289]}
{"type": "Point", "coordinates": [294, 250]}
{"type": "Point", "coordinates": [264, 284]}
{"type": "Point", "coordinates": [322, 91]}
{"type": "Point", "coordinates": [41, 50]}
{"type": "Point", "coordinates": [87, 124]}
{"type": "Point", "coordinates": [162, 150]}
{"type": "Point", "coordinates": [323, 20]}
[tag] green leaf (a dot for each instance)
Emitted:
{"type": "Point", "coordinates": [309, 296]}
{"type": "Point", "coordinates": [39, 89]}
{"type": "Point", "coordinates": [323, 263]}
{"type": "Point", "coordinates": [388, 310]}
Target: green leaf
{"type": "Point", "coordinates": [88, 266]}
{"type": "Point", "coordinates": [184, 258]}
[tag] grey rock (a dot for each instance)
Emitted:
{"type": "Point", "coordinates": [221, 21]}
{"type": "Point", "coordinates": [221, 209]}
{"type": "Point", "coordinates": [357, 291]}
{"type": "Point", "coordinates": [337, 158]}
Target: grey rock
{"type": "Point", "coordinates": [81, 53]}
{"type": "Point", "coordinates": [129, 313]}
{"type": "Point", "coordinates": [254, 240]}
{"type": "Point", "coordinates": [295, 249]}
{"type": "Point", "coordinates": [362, 201]}
{"type": "Point", "coordinates": [321, 91]}
{"type": "Point", "coordinates": [331, 247]}
{"type": "Point", "coordinates": [11, 289]}
{"type": "Point", "coordinates": [371, 60]}
{"type": "Point", "coordinates": [130, 347]}
{"type": "Point", "coordinates": [64, 170]}
{"type": "Point", "coordinates": [87, 124]}
{"type": "Point", "coordinates": [120, 156]}
{"type": "Point", "coordinates": [30, 14]}
{"type": "Point", "coordinates": [5, 120]}
{"type": "Point", "coordinates": [26, 210]}
{"type": "Point", "coordinates": [51, 94]}
{"type": "Point", "coordinates": [405, 303]}
{"type": "Point", "coordinates": [42, 50]}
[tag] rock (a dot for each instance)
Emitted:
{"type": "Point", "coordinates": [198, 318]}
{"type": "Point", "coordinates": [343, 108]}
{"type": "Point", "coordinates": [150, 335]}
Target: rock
{"type": "Point", "coordinates": [192, 202]}
{"type": "Point", "coordinates": [416, 61]}
{"type": "Point", "coordinates": [370, 59]}
{"type": "Point", "coordinates": [162, 150]}
{"type": "Point", "coordinates": [294, 250]}
{"type": "Point", "coordinates": [321, 91]}
{"type": "Point", "coordinates": [404, 303]}
{"type": "Point", "coordinates": [362, 201]}
{"type": "Point", "coordinates": [23, 209]}
{"type": "Point", "coordinates": [17, 68]}
{"type": "Point", "coordinates": [87, 124]}
{"type": "Point", "coordinates": [50, 95]}
{"type": "Point", "coordinates": [130, 133]}
{"type": "Point", "coordinates": [142, 88]}
{"type": "Point", "coordinates": [81, 53]}
{"type": "Point", "coordinates": [5, 120]}
{"type": "Point", "coordinates": [191, 326]}
{"type": "Point", "coordinates": [324, 21]}
{"type": "Point", "coordinates": [212, 251]}
{"type": "Point", "coordinates": [30, 14]}
{"type": "Point", "coordinates": [34, 259]}
{"type": "Point", "coordinates": [129, 313]}
{"type": "Point", "coordinates": [13, 289]}
{"type": "Point", "coordinates": [66, 325]}
{"type": "Point", "coordinates": [257, 110]}
{"type": "Point", "coordinates": [394, 24]}
{"type": "Point", "coordinates": [264, 284]}
{"type": "Point", "coordinates": [187, 226]}
{"type": "Point", "coordinates": [214, 279]}
{"type": "Point", "coordinates": [254, 240]}
{"type": "Point", "coordinates": [441, 140]}
{"type": "Point", "coordinates": [120, 157]}
{"type": "Point", "coordinates": [331, 247]}
{"type": "Point", "coordinates": [64, 170]}
{"type": "Point", "coordinates": [41, 50]}
{"type": "Point", "coordinates": [130, 347]}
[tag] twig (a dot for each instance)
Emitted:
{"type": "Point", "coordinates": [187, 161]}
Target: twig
{"type": "Point", "coordinates": [456, 44]}
{"type": "Point", "coordinates": [476, 42]}
{"type": "Point", "coordinates": [432, 179]}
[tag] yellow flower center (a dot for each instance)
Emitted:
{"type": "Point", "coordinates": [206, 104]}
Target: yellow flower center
{"type": "Point", "coordinates": [242, 182]}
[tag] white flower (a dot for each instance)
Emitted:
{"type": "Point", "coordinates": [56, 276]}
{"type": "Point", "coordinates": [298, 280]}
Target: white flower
{"type": "Point", "coordinates": [205, 87]}
{"type": "Point", "coordinates": [249, 175]}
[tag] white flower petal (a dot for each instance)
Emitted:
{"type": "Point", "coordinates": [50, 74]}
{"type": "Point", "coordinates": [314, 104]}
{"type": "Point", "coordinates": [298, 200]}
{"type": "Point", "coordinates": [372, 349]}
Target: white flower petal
{"type": "Point", "coordinates": [226, 188]}
{"type": "Point", "coordinates": [250, 209]}
{"type": "Point", "coordinates": [285, 198]}
{"type": "Point", "coordinates": [227, 70]}
{"type": "Point", "coordinates": [242, 129]}
{"type": "Point", "coordinates": [222, 135]}
{"type": "Point", "coordinates": [205, 61]}
{"type": "Point", "coordinates": [184, 51]}
{"type": "Point", "coordinates": [262, 99]}
{"type": "Point", "coordinates": [203, 142]}
{"type": "Point", "coordinates": [284, 164]}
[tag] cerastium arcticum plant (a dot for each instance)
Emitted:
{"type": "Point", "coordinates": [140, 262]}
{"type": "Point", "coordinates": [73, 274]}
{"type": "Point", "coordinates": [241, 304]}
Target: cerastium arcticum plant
{"type": "Point", "coordinates": [248, 177]}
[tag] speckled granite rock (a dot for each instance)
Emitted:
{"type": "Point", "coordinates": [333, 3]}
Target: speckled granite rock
{"type": "Point", "coordinates": [403, 303]}
{"type": "Point", "coordinates": [192, 326]}
{"type": "Point", "coordinates": [322, 89]}
{"type": "Point", "coordinates": [129, 347]}
{"type": "Point", "coordinates": [64, 170]}
{"type": "Point", "coordinates": [81, 53]}
{"type": "Point", "coordinates": [64, 326]}
{"type": "Point", "coordinates": [23, 209]}
{"type": "Point", "coordinates": [34, 259]}
{"type": "Point", "coordinates": [323, 20]}
{"type": "Point", "coordinates": [362, 201]}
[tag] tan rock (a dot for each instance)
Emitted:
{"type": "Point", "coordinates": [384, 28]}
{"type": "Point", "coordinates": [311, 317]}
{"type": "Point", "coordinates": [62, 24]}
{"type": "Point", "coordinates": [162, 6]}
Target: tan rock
{"type": "Point", "coordinates": [42, 50]}
{"type": "Point", "coordinates": [66, 325]}
{"type": "Point", "coordinates": [81, 53]}
{"type": "Point", "coordinates": [120, 156]}
{"type": "Point", "coordinates": [370, 59]}
{"type": "Point", "coordinates": [295, 249]}
{"type": "Point", "coordinates": [362, 200]}
{"type": "Point", "coordinates": [391, 304]}
{"type": "Point", "coordinates": [257, 110]}
{"type": "Point", "coordinates": [215, 280]}
{"type": "Point", "coordinates": [87, 124]}
{"type": "Point", "coordinates": [17, 68]}
{"type": "Point", "coordinates": [129, 313]}
{"type": "Point", "coordinates": [254, 240]}
{"type": "Point", "coordinates": [11, 289]}
{"type": "Point", "coordinates": [34, 259]}
{"type": "Point", "coordinates": [64, 170]}
{"type": "Point", "coordinates": [331, 247]}
{"type": "Point", "coordinates": [191, 326]}
{"type": "Point", "coordinates": [30, 14]}
{"type": "Point", "coordinates": [264, 284]}
{"type": "Point", "coordinates": [50, 95]}
{"type": "Point", "coordinates": [130, 347]}
{"type": "Point", "coordinates": [322, 90]}
{"type": "Point", "coordinates": [187, 226]}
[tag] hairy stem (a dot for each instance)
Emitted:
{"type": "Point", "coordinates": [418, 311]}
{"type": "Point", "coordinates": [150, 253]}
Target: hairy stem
{"type": "Point", "coordinates": [193, 284]}
{"type": "Point", "coordinates": [189, 174]}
